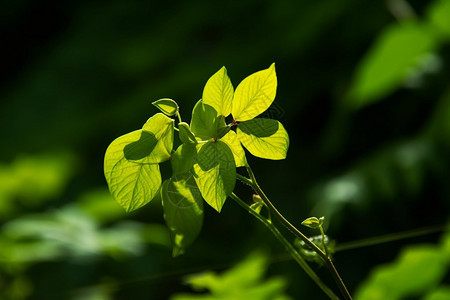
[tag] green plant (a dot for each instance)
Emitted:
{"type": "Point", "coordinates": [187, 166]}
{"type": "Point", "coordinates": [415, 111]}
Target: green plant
{"type": "Point", "coordinates": [204, 165]}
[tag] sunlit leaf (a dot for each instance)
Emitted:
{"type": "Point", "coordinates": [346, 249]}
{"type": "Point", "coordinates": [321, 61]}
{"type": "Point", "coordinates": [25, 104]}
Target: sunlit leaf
{"type": "Point", "coordinates": [183, 159]}
{"type": "Point", "coordinates": [313, 222]}
{"type": "Point", "coordinates": [131, 184]}
{"type": "Point", "coordinates": [216, 172]}
{"type": "Point", "coordinates": [218, 92]}
{"type": "Point", "coordinates": [394, 54]}
{"type": "Point", "coordinates": [167, 106]}
{"type": "Point", "coordinates": [265, 138]}
{"type": "Point", "coordinates": [183, 210]}
{"type": "Point", "coordinates": [186, 135]}
{"type": "Point", "coordinates": [235, 146]}
{"type": "Point", "coordinates": [254, 94]}
{"type": "Point", "coordinates": [155, 142]}
{"type": "Point", "coordinates": [205, 122]}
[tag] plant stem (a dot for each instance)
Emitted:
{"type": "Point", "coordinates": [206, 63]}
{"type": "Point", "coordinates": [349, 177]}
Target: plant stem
{"type": "Point", "coordinates": [292, 251]}
{"type": "Point", "coordinates": [323, 241]}
{"type": "Point", "coordinates": [334, 273]}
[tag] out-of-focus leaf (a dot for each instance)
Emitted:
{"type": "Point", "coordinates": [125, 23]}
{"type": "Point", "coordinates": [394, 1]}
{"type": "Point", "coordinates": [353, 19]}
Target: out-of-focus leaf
{"type": "Point", "coordinates": [441, 293]}
{"type": "Point", "coordinates": [183, 210]}
{"type": "Point", "coordinates": [265, 138]}
{"type": "Point", "coordinates": [131, 184]}
{"type": "Point", "coordinates": [418, 269]}
{"type": "Point", "coordinates": [97, 203]}
{"type": "Point", "coordinates": [255, 94]}
{"type": "Point", "coordinates": [394, 54]}
{"type": "Point", "coordinates": [215, 171]}
{"type": "Point", "coordinates": [28, 181]}
{"type": "Point", "coordinates": [218, 92]}
{"type": "Point", "coordinates": [242, 282]}
{"type": "Point", "coordinates": [439, 16]}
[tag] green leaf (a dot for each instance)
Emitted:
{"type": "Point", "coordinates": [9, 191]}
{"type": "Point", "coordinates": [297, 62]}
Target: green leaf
{"type": "Point", "coordinates": [183, 159]}
{"type": "Point", "coordinates": [205, 122]}
{"type": "Point", "coordinates": [438, 15]}
{"type": "Point", "coordinates": [441, 293]}
{"type": "Point", "coordinates": [218, 92]}
{"type": "Point", "coordinates": [397, 51]}
{"type": "Point", "coordinates": [265, 138]}
{"type": "Point", "coordinates": [186, 135]}
{"type": "Point", "coordinates": [254, 94]}
{"type": "Point", "coordinates": [313, 222]}
{"type": "Point", "coordinates": [418, 269]}
{"type": "Point", "coordinates": [167, 106]}
{"type": "Point", "coordinates": [244, 281]}
{"type": "Point", "coordinates": [155, 142]}
{"type": "Point", "coordinates": [131, 184]}
{"type": "Point", "coordinates": [216, 172]}
{"type": "Point", "coordinates": [235, 146]}
{"type": "Point", "coordinates": [183, 210]}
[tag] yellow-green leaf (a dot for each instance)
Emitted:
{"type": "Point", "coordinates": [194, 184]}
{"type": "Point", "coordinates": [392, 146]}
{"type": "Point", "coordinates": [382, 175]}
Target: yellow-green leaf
{"type": "Point", "coordinates": [167, 106]}
{"type": "Point", "coordinates": [186, 135]}
{"type": "Point", "coordinates": [215, 172]}
{"type": "Point", "coordinates": [265, 138]}
{"type": "Point", "coordinates": [205, 121]}
{"type": "Point", "coordinates": [235, 146]}
{"type": "Point", "coordinates": [313, 222]}
{"type": "Point", "coordinates": [183, 159]}
{"type": "Point", "coordinates": [154, 145]}
{"type": "Point", "coordinates": [218, 92]}
{"type": "Point", "coordinates": [183, 210]}
{"type": "Point", "coordinates": [131, 184]}
{"type": "Point", "coordinates": [254, 94]}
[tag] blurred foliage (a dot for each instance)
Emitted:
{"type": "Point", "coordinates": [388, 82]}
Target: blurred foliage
{"type": "Point", "coordinates": [363, 92]}
{"type": "Point", "coordinates": [418, 270]}
{"type": "Point", "coordinates": [243, 281]}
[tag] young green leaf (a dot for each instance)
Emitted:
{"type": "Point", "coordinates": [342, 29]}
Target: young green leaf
{"type": "Point", "coordinates": [205, 122]}
{"type": "Point", "coordinates": [235, 146]}
{"type": "Point", "coordinates": [131, 184]}
{"type": "Point", "coordinates": [186, 135]}
{"type": "Point", "coordinates": [183, 159]}
{"type": "Point", "coordinates": [265, 138]}
{"type": "Point", "coordinates": [218, 92]}
{"type": "Point", "coordinates": [216, 172]}
{"type": "Point", "coordinates": [167, 106]}
{"type": "Point", "coordinates": [313, 222]}
{"type": "Point", "coordinates": [254, 94]}
{"type": "Point", "coordinates": [155, 142]}
{"type": "Point", "coordinates": [183, 210]}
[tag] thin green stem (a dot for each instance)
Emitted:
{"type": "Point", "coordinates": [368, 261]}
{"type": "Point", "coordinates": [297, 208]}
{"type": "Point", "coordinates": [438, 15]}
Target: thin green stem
{"type": "Point", "coordinates": [292, 251]}
{"type": "Point", "coordinates": [179, 117]}
{"type": "Point", "coordinates": [334, 273]}
{"type": "Point", "coordinates": [323, 241]}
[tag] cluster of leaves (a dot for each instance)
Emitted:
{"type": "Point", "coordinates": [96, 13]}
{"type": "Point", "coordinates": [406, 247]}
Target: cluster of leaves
{"type": "Point", "coordinates": [204, 164]}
